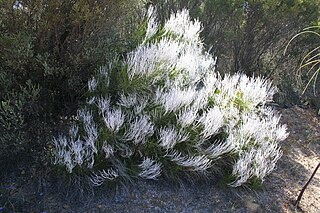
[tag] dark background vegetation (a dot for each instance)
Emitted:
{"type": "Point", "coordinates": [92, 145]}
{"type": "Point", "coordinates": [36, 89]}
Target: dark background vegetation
{"type": "Point", "coordinates": [49, 50]}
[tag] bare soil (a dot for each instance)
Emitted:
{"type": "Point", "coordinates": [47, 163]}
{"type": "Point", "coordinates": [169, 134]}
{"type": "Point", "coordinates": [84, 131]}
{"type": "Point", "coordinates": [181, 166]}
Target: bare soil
{"type": "Point", "coordinates": [32, 188]}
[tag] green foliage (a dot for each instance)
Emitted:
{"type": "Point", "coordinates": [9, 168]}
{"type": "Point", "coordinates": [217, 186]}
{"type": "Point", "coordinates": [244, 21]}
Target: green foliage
{"type": "Point", "coordinates": [48, 50]}
{"type": "Point", "coordinates": [16, 107]}
{"type": "Point", "coordinates": [310, 61]}
{"type": "Point", "coordinates": [59, 44]}
{"type": "Point", "coordinates": [308, 69]}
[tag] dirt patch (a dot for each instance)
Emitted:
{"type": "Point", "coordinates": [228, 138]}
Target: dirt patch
{"type": "Point", "coordinates": [301, 156]}
{"type": "Point", "coordinates": [35, 189]}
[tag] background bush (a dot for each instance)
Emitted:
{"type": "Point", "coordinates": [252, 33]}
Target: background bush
{"type": "Point", "coordinates": [48, 50]}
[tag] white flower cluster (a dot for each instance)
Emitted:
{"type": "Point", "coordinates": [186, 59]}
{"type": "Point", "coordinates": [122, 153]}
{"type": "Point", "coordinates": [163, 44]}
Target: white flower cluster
{"type": "Point", "coordinates": [192, 163]}
{"type": "Point", "coordinates": [73, 151]}
{"type": "Point", "coordinates": [169, 137]}
{"type": "Point", "coordinates": [152, 24]}
{"type": "Point", "coordinates": [175, 98]}
{"type": "Point", "coordinates": [99, 178]}
{"type": "Point", "coordinates": [139, 130]}
{"type": "Point", "coordinates": [256, 141]}
{"type": "Point", "coordinates": [212, 121]}
{"type": "Point", "coordinates": [173, 108]}
{"type": "Point", "coordinates": [178, 55]}
{"type": "Point", "coordinates": [147, 59]}
{"type": "Point", "coordinates": [181, 25]}
{"type": "Point", "coordinates": [150, 169]}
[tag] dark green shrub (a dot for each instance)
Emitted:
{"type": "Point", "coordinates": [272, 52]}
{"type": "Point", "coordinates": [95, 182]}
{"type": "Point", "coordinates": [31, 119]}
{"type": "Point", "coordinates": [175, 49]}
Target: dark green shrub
{"type": "Point", "coordinates": [48, 51]}
{"type": "Point", "coordinates": [17, 106]}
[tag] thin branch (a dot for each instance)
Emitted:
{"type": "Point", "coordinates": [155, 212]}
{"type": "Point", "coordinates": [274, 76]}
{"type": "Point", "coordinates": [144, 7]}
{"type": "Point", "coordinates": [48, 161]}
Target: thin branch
{"type": "Point", "coordinates": [306, 185]}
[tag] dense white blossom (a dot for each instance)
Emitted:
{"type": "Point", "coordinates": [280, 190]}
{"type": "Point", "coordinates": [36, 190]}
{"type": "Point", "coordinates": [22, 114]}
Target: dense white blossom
{"type": "Point", "coordinates": [105, 72]}
{"type": "Point", "coordinates": [69, 152]}
{"type": "Point", "coordinates": [152, 27]}
{"type": "Point", "coordinates": [85, 116]}
{"type": "Point", "coordinates": [261, 128]}
{"type": "Point", "coordinates": [209, 85]}
{"type": "Point", "coordinates": [182, 26]}
{"type": "Point", "coordinates": [90, 129]}
{"type": "Point", "coordinates": [212, 121]}
{"type": "Point", "coordinates": [232, 117]}
{"type": "Point", "coordinates": [139, 130]}
{"type": "Point", "coordinates": [92, 136]}
{"type": "Point", "coordinates": [245, 92]}
{"type": "Point", "coordinates": [91, 133]}
{"type": "Point", "coordinates": [68, 161]}
{"type": "Point", "coordinates": [255, 163]}
{"type": "Point", "coordinates": [146, 60]}
{"type": "Point", "coordinates": [187, 116]}
{"type": "Point", "coordinates": [255, 90]}
{"type": "Point", "coordinates": [194, 63]}
{"type": "Point", "coordinates": [175, 98]}
{"type": "Point", "coordinates": [137, 102]}
{"type": "Point", "coordinates": [220, 148]}
{"type": "Point", "coordinates": [77, 148]}
{"type": "Point", "coordinates": [193, 163]}
{"type": "Point", "coordinates": [114, 119]}
{"type": "Point", "coordinates": [150, 169]}
{"type": "Point", "coordinates": [171, 94]}
{"type": "Point", "coordinates": [169, 137]}
{"type": "Point", "coordinates": [281, 133]}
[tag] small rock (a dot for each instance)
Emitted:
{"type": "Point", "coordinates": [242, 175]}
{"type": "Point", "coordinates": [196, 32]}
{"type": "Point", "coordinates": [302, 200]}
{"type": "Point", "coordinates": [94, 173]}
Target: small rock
{"type": "Point", "coordinates": [252, 206]}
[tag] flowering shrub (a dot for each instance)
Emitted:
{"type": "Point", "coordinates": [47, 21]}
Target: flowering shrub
{"type": "Point", "coordinates": [164, 110]}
